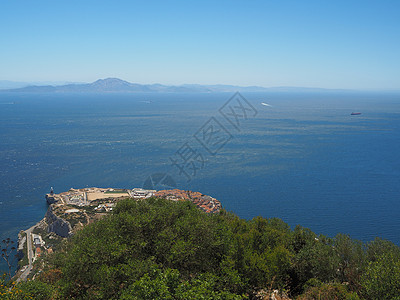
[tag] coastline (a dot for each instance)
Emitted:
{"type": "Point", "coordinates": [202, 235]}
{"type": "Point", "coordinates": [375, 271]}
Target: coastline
{"type": "Point", "coordinates": [70, 211]}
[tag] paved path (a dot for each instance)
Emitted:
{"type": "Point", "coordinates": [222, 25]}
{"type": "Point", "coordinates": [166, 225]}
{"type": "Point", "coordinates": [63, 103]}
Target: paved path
{"type": "Point", "coordinates": [27, 271]}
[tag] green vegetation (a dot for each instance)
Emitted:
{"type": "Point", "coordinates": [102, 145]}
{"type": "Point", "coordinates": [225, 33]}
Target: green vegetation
{"type": "Point", "coordinates": [24, 261]}
{"type": "Point", "coordinates": [51, 239]}
{"type": "Point", "coordinates": [10, 291]}
{"type": "Point", "coordinates": [160, 249]}
{"type": "Point", "coordinates": [23, 258]}
{"type": "Point", "coordinates": [75, 218]}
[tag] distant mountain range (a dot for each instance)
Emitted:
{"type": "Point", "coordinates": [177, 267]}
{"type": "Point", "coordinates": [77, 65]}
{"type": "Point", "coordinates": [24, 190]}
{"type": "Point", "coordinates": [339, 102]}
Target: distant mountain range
{"type": "Point", "coordinates": [8, 84]}
{"type": "Point", "coordinates": [120, 86]}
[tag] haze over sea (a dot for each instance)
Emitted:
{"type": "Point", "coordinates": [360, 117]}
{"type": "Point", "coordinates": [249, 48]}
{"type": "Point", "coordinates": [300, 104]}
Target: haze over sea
{"type": "Point", "coordinates": [304, 159]}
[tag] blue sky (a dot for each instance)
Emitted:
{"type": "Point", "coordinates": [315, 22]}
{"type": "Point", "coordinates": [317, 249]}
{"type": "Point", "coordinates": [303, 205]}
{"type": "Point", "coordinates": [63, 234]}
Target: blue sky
{"type": "Point", "coordinates": [332, 44]}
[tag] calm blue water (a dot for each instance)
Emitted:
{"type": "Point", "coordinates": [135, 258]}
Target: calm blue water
{"type": "Point", "coordinates": [303, 159]}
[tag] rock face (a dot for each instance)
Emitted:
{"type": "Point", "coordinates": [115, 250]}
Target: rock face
{"type": "Point", "coordinates": [57, 225]}
{"type": "Point", "coordinates": [50, 199]}
{"type": "Point", "coordinates": [21, 245]}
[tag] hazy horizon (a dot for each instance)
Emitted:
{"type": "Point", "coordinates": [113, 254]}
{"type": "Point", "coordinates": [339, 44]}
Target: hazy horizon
{"type": "Point", "coordinates": [9, 84]}
{"type": "Point", "coordinates": [338, 45]}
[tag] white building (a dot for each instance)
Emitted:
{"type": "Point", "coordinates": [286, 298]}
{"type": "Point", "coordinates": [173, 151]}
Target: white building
{"type": "Point", "coordinates": [142, 193]}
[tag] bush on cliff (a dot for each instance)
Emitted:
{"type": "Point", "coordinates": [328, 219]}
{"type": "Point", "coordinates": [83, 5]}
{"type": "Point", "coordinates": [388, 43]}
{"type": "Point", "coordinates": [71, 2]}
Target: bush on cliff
{"type": "Point", "coordinates": [160, 249]}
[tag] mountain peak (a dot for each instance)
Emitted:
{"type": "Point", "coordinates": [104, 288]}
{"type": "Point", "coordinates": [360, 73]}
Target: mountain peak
{"type": "Point", "coordinates": [111, 79]}
{"type": "Point", "coordinates": [110, 82]}
{"type": "Point", "coordinates": [117, 85]}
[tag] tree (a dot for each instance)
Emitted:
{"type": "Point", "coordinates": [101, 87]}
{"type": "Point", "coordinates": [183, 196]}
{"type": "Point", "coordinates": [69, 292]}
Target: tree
{"type": "Point", "coordinates": [329, 291]}
{"type": "Point", "coordinates": [36, 289]}
{"type": "Point", "coordinates": [161, 249]}
{"type": "Point", "coordinates": [381, 279]}
{"type": "Point", "coordinates": [10, 291]}
{"type": "Point", "coordinates": [351, 254]}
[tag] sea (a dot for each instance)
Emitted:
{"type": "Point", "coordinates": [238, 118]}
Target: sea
{"type": "Point", "coordinates": [298, 156]}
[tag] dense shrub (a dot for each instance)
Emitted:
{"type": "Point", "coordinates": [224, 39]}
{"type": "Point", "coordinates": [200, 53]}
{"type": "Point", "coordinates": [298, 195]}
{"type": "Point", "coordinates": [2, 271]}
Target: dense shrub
{"type": "Point", "coordinates": [160, 249]}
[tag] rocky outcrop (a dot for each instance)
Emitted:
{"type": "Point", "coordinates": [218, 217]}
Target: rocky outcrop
{"type": "Point", "coordinates": [57, 225]}
{"type": "Point", "coordinates": [50, 199]}
{"type": "Point", "coordinates": [21, 245]}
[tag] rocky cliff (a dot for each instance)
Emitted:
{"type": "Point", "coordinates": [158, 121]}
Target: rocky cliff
{"type": "Point", "coordinates": [56, 224]}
